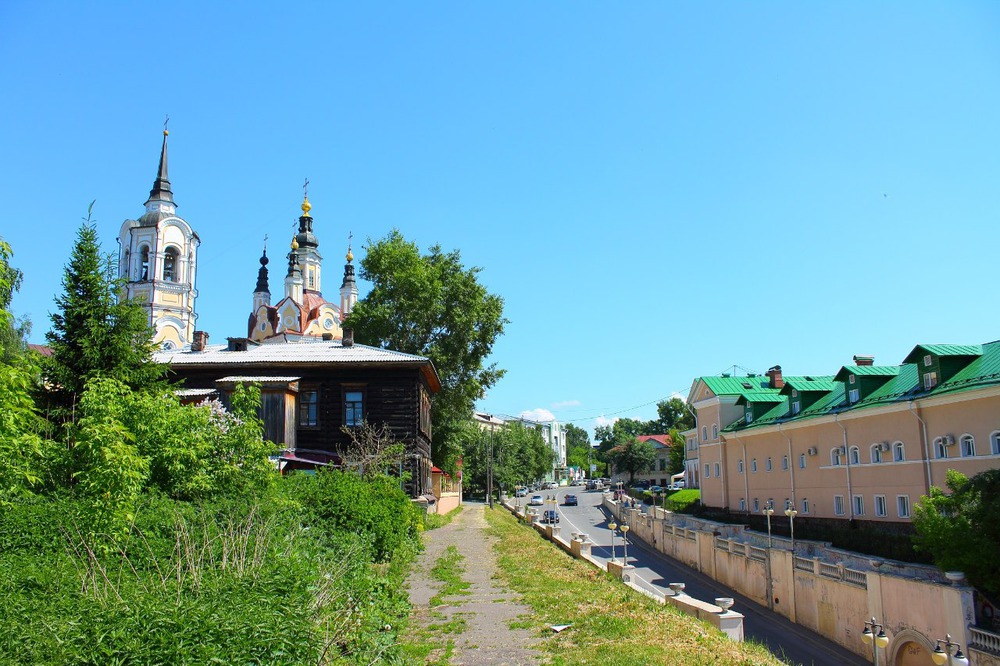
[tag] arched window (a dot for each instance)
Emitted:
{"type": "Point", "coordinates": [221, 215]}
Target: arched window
{"type": "Point", "coordinates": [704, 433]}
{"type": "Point", "coordinates": [784, 462]}
{"type": "Point", "coordinates": [753, 465]}
{"type": "Point", "coordinates": [768, 464]}
{"type": "Point", "coordinates": [940, 451]}
{"type": "Point", "coordinates": [968, 444]}
{"type": "Point", "coordinates": [743, 504]}
{"type": "Point", "coordinates": [835, 456]}
{"type": "Point", "coordinates": [855, 455]}
{"type": "Point", "coordinates": [898, 452]}
{"type": "Point", "coordinates": [739, 466]}
{"type": "Point", "coordinates": [995, 442]}
{"type": "Point", "coordinates": [715, 431]}
{"type": "Point", "coordinates": [876, 454]}
{"type": "Point", "coordinates": [170, 265]}
{"type": "Point", "coordinates": [144, 262]}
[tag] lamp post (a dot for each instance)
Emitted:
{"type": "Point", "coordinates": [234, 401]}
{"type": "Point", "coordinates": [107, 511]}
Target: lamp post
{"type": "Point", "coordinates": [876, 640]}
{"type": "Point", "coordinates": [791, 513]}
{"type": "Point", "coordinates": [612, 526]}
{"type": "Point", "coordinates": [946, 656]}
{"type": "Point", "coordinates": [768, 511]}
{"type": "Point", "coordinates": [625, 540]}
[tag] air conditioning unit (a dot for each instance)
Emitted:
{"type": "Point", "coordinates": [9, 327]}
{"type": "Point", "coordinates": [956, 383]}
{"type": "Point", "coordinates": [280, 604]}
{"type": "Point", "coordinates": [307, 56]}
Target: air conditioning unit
{"type": "Point", "coordinates": [812, 450]}
{"type": "Point", "coordinates": [949, 440]}
{"type": "Point", "coordinates": [884, 446]}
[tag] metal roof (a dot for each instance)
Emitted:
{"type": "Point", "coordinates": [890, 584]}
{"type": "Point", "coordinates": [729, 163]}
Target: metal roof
{"type": "Point", "coordinates": [943, 350]}
{"type": "Point", "coordinates": [322, 351]}
{"type": "Point", "coordinates": [771, 395]}
{"type": "Point", "coordinates": [244, 379]}
{"type": "Point", "coordinates": [823, 384]}
{"type": "Point", "coordinates": [735, 385]}
{"type": "Point", "coordinates": [866, 371]}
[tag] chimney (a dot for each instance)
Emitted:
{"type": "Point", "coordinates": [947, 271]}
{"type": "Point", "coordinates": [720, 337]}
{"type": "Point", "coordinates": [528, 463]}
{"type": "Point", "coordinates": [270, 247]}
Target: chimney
{"type": "Point", "coordinates": [861, 359]}
{"type": "Point", "coordinates": [328, 336]}
{"type": "Point", "coordinates": [348, 340]}
{"type": "Point", "coordinates": [774, 377]}
{"type": "Point", "coordinates": [200, 341]}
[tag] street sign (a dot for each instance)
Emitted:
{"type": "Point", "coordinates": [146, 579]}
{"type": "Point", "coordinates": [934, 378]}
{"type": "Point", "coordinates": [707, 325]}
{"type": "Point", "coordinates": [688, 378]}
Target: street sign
{"type": "Point", "coordinates": [593, 468]}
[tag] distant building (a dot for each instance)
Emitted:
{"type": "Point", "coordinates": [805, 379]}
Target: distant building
{"type": "Point", "coordinates": [552, 432]}
{"type": "Point", "coordinates": [863, 443]}
{"type": "Point", "coordinates": [659, 475]}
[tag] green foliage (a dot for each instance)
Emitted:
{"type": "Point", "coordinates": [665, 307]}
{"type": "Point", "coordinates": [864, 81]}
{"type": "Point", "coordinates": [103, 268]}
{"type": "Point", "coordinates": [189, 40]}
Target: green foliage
{"type": "Point", "coordinates": [579, 453]}
{"type": "Point", "coordinates": [520, 455]}
{"type": "Point", "coordinates": [678, 452]}
{"type": "Point", "coordinates": [633, 457]}
{"type": "Point", "coordinates": [619, 432]}
{"type": "Point", "coordinates": [960, 528]}
{"type": "Point", "coordinates": [21, 444]}
{"type": "Point", "coordinates": [433, 306]}
{"type": "Point", "coordinates": [672, 414]}
{"type": "Point", "coordinates": [94, 332]}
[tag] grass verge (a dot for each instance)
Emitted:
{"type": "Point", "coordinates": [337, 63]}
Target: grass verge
{"type": "Point", "coordinates": [611, 624]}
{"type": "Point", "coordinates": [433, 644]}
{"type": "Point", "coordinates": [432, 521]}
{"type": "Point", "coordinates": [448, 569]}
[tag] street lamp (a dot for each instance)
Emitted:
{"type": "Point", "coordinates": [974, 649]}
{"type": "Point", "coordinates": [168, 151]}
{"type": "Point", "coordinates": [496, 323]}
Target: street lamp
{"type": "Point", "coordinates": [625, 540]}
{"type": "Point", "coordinates": [945, 656]}
{"type": "Point", "coordinates": [612, 526]}
{"type": "Point", "coordinates": [768, 511]}
{"type": "Point", "coordinates": [876, 640]}
{"type": "Point", "coordinates": [791, 513]}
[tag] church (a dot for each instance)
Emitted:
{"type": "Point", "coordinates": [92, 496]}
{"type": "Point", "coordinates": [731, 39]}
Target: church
{"type": "Point", "coordinates": [316, 384]}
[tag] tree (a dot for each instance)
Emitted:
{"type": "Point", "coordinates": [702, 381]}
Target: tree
{"type": "Point", "coordinates": [960, 530]}
{"type": "Point", "coordinates": [677, 452]}
{"type": "Point", "coordinates": [633, 457]}
{"type": "Point", "coordinates": [95, 332]}
{"type": "Point", "coordinates": [579, 452]}
{"type": "Point", "coordinates": [431, 305]}
{"type": "Point", "coordinates": [672, 414]}
{"type": "Point", "coordinates": [13, 333]}
{"type": "Point", "coordinates": [616, 434]}
{"type": "Point", "coordinates": [519, 455]}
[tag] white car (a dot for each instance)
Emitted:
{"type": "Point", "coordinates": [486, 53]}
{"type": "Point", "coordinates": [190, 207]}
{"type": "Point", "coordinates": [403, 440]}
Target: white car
{"type": "Point", "coordinates": [536, 500]}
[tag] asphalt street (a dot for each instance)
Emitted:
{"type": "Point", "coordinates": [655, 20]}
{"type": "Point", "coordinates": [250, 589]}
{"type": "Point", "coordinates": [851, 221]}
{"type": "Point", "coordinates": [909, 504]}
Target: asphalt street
{"type": "Point", "coordinates": [654, 571]}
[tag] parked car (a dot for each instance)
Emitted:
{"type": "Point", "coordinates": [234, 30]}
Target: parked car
{"type": "Point", "coordinates": [679, 485]}
{"type": "Point", "coordinates": [521, 492]}
{"type": "Point", "coordinates": [536, 500]}
{"type": "Point", "coordinates": [570, 500]}
{"type": "Point", "coordinates": [656, 489]}
{"type": "Point", "coordinates": [552, 486]}
{"type": "Point", "coordinates": [550, 516]}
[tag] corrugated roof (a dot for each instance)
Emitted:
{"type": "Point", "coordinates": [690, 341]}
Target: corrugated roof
{"type": "Point", "coordinates": [822, 384]}
{"type": "Point", "coordinates": [943, 350]}
{"type": "Point", "coordinates": [771, 395]}
{"type": "Point", "coordinates": [323, 351]}
{"type": "Point", "coordinates": [735, 385]}
{"type": "Point", "coordinates": [261, 379]}
{"type": "Point", "coordinates": [866, 371]}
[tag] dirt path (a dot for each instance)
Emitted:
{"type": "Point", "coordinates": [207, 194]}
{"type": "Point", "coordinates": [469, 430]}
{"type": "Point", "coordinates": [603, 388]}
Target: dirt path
{"type": "Point", "coordinates": [487, 611]}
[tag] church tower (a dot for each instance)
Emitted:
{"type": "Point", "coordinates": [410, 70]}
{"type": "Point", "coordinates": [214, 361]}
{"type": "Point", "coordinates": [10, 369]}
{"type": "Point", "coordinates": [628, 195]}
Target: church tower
{"type": "Point", "coordinates": [157, 256]}
{"type": "Point", "coordinates": [349, 288]}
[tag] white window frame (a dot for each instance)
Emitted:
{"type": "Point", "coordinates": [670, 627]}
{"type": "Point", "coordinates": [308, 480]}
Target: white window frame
{"type": "Point", "coordinates": [854, 454]}
{"type": "Point", "coordinates": [995, 442]}
{"type": "Point", "coordinates": [718, 470]}
{"type": "Point", "coordinates": [880, 506]}
{"type": "Point", "coordinates": [796, 407]}
{"type": "Point", "coordinates": [967, 446]}
{"type": "Point", "coordinates": [743, 504]}
{"type": "Point", "coordinates": [753, 465]}
{"type": "Point", "coordinates": [802, 461]}
{"type": "Point", "coordinates": [805, 505]}
{"type": "Point", "coordinates": [928, 361]}
{"type": "Point", "coordinates": [769, 465]}
{"type": "Point", "coordinates": [756, 505]}
{"type": "Point", "coordinates": [739, 466]}
{"type": "Point", "coordinates": [903, 506]}
{"type": "Point", "coordinates": [839, 508]}
{"type": "Point", "coordinates": [876, 453]}
{"type": "Point", "coordinates": [850, 379]}
{"type": "Point", "coordinates": [704, 433]}
{"type": "Point", "coordinates": [898, 452]}
{"type": "Point", "coordinates": [858, 504]}
{"type": "Point", "coordinates": [715, 431]}
{"type": "Point", "coordinates": [940, 451]}
{"type": "Point", "coordinates": [708, 471]}
{"type": "Point", "coordinates": [853, 395]}
{"type": "Point", "coordinates": [784, 463]}
{"type": "Point", "coordinates": [930, 380]}
{"type": "Point", "coordinates": [835, 457]}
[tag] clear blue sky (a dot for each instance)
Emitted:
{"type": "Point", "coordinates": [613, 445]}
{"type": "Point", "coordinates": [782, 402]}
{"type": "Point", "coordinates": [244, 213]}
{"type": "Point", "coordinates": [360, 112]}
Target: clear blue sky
{"type": "Point", "coordinates": [659, 190]}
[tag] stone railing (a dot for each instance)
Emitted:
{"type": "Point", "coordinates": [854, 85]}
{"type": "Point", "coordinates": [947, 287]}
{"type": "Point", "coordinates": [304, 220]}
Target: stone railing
{"type": "Point", "coordinates": [984, 641]}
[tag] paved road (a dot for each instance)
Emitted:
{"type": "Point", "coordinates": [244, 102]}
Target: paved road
{"type": "Point", "coordinates": [653, 570]}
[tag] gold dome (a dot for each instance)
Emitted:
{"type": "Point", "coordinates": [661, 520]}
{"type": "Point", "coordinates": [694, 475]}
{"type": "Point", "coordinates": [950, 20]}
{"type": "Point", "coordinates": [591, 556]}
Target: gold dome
{"type": "Point", "coordinates": [295, 243]}
{"type": "Point", "coordinates": [306, 207]}
{"type": "Point", "coordinates": [350, 255]}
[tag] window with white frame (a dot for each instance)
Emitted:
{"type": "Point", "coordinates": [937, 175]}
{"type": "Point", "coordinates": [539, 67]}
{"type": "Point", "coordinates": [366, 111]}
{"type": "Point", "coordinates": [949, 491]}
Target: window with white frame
{"type": "Point", "coordinates": [995, 442]}
{"type": "Point", "coordinates": [855, 455]}
{"type": "Point", "coordinates": [784, 462]}
{"type": "Point", "coordinates": [704, 433]}
{"type": "Point", "coordinates": [880, 506]}
{"type": "Point", "coordinates": [805, 505]}
{"type": "Point", "coordinates": [768, 465]}
{"type": "Point", "coordinates": [743, 504]}
{"type": "Point", "coordinates": [968, 444]}
{"type": "Point", "coordinates": [940, 450]}
{"type": "Point", "coordinates": [795, 408]}
{"type": "Point", "coordinates": [715, 431]}
{"type": "Point", "coordinates": [753, 465]}
{"type": "Point", "coordinates": [853, 395]}
{"type": "Point", "coordinates": [835, 455]}
{"type": "Point", "coordinates": [930, 380]}
{"type": "Point", "coordinates": [749, 417]}
{"type": "Point", "coordinates": [928, 360]}
{"type": "Point", "coordinates": [903, 506]}
{"type": "Point", "coordinates": [739, 466]}
{"type": "Point", "coordinates": [708, 473]}
{"type": "Point", "coordinates": [802, 461]}
{"type": "Point", "coordinates": [850, 379]}
{"type": "Point", "coordinates": [859, 505]}
{"type": "Point", "coordinates": [756, 505]}
{"type": "Point", "coordinates": [898, 452]}
{"type": "Point", "coordinates": [718, 470]}
{"type": "Point", "coordinates": [838, 505]}
{"type": "Point", "coordinates": [876, 453]}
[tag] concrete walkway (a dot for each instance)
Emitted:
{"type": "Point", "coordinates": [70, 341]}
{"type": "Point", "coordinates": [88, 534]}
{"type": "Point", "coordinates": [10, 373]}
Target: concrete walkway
{"type": "Point", "coordinates": [488, 610]}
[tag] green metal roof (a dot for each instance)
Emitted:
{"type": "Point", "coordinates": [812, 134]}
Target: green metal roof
{"type": "Point", "coordinates": [866, 371]}
{"type": "Point", "coordinates": [821, 384]}
{"type": "Point", "coordinates": [943, 350]}
{"type": "Point", "coordinates": [770, 395]}
{"type": "Point", "coordinates": [735, 385]}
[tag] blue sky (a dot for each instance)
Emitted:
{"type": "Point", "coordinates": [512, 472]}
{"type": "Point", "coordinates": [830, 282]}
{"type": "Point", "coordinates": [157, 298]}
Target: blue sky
{"type": "Point", "coordinates": [659, 190]}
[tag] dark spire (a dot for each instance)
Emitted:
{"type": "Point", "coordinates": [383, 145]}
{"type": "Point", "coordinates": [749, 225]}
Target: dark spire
{"type": "Point", "coordinates": [262, 275]}
{"type": "Point", "coordinates": [348, 270]}
{"type": "Point", "coordinates": [293, 260]}
{"type": "Point", "coordinates": [306, 237]}
{"type": "Point", "coordinates": [161, 187]}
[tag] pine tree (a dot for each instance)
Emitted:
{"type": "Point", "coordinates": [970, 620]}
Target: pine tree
{"type": "Point", "coordinates": [95, 332]}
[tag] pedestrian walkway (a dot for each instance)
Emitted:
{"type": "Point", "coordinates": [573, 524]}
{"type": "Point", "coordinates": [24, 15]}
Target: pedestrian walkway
{"type": "Point", "coordinates": [487, 611]}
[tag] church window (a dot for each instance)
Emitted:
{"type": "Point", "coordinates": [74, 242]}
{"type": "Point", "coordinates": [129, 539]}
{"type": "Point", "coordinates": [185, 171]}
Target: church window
{"type": "Point", "coordinates": [144, 265]}
{"type": "Point", "coordinates": [308, 408]}
{"type": "Point", "coordinates": [170, 265]}
{"type": "Point", "coordinates": [353, 407]}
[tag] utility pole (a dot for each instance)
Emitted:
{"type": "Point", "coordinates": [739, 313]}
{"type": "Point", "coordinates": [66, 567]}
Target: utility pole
{"type": "Point", "coordinates": [489, 466]}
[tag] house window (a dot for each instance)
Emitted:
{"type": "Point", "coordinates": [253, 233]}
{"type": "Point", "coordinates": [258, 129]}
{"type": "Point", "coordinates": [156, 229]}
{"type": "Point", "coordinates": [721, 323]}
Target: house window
{"type": "Point", "coordinates": [708, 473]}
{"type": "Point", "coordinates": [784, 462]}
{"type": "Point", "coordinates": [144, 263]}
{"type": "Point", "coordinates": [876, 454]}
{"type": "Point", "coordinates": [704, 433]}
{"type": "Point", "coordinates": [968, 444]}
{"type": "Point", "coordinates": [930, 380]}
{"type": "Point", "coordinates": [880, 506]}
{"type": "Point", "coordinates": [940, 450]}
{"type": "Point", "coordinates": [850, 379]}
{"type": "Point", "coordinates": [749, 417]}
{"type": "Point", "coordinates": [795, 393]}
{"type": "Point", "coordinates": [805, 505]}
{"type": "Point", "coordinates": [795, 408]}
{"type": "Point", "coordinates": [898, 452]}
{"type": "Point", "coordinates": [995, 443]}
{"type": "Point", "coordinates": [308, 408]}
{"type": "Point", "coordinates": [927, 361]}
{"type": "Point", "coordinates": [903, 506]}
{"type": "Point", "coordinates": [855, 455]}
{"type": "Point", "coordinates": [853, 395]}
{"type": "Point", "coordinates": [718, 471]}
{"type": "Point", "coordinates": [753, 465]}
{"type": "Point", "coordinates": [802, 461]}
{"type": "Point", "coordinates": [859, 505]}
{"type": "Point", "coordinates": [768, 466]}
{"type": "Point", "coordinates": [743, 504]}
{"type": "Point", "coordinates": [739, 466]}
{"type": "Point", "coordinates": [353, 408]}
{"type": "Point", "coordinates": [835, 456]}
{"type": "Point", "coordinates": [756, 505]}
{"type": "Point", "coordinates": [838, 505]}
{"type": "Point", "coordinates": [715, 431]}
{"type": "Point", "coordinates": [170, 265]}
